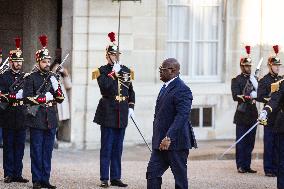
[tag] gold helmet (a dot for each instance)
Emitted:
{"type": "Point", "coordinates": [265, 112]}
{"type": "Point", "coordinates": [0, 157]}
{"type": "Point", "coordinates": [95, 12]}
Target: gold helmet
{"type": "Point", "coordinates": [16, 55]}
{"type": "Point", "coordinates": [246, 61]}
{"type": "Point", "coordinates": [112, 48]}
{"type": "Point", "coordinates": [43, 53]}
{"type": "Point", "coordinates": [274, 59]}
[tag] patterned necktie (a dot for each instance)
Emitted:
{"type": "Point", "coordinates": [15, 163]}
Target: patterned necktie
{"type": "Point", "coordinates": [162, 91]}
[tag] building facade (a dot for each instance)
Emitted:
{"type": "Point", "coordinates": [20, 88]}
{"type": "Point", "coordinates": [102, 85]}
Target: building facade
{"type": "Point", "coordinates": [206, 36]}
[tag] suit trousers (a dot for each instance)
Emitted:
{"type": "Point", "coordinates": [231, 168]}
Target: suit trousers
{"type": "Point", "coordinates": [160, 161]}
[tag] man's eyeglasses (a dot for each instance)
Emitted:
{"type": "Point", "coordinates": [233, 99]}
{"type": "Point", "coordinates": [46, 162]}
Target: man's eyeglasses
{"type": "Point", "coordinates": [163, 69]}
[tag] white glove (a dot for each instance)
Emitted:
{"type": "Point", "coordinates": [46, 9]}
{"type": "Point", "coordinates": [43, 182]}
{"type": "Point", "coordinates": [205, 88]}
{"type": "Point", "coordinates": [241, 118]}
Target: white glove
{"type": "Point", "coordinates": [130, 112]}
{"type": "Point", "coordinates": [116, 67]}
{"type": "Point", "coordinates": [54, 83]}
{"type": "Point", "coordinates": [19, 94]}
{"type": "Point", "coordinates": [48, 96]}
{"type": "Point", "coordinates": [253, 81]}
{"type": "Point", "coordinates": [253, 94]}
{"type": "Point", "coordinates": [262, 118]}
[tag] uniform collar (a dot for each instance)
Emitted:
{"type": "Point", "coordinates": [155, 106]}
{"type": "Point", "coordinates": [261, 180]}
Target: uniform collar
{"type": "Point", "coordinates": [245, 75]}
{"type": "Point", "coordinates": [273, 75]}
{"type": "Point", "coordinates": [42, 73]}
{"type": "Point", "coordinates": [15, 73]}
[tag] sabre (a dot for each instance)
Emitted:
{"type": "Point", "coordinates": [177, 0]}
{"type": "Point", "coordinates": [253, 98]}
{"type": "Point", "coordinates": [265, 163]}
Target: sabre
{"type": "Point", "coordinates": [63, 61]}
{"type": "Point", "coordinates": [140, 133]}
{"type": "Point", "coordinates": [4, 66]}
{"type": "Point", "coordinates": [239, 139]}
{"type": "Point", "coordinates": [258, 67]}
{"type": "Point", "coordinates": [6, 60]}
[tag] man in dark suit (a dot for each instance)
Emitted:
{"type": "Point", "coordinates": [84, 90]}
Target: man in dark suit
{"type": "Point", "coordinates": [172, 132]}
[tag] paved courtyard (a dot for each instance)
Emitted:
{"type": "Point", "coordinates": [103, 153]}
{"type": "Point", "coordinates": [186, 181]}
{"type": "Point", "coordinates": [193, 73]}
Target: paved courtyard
{"type": "Point", "coordinates": [76, 169]}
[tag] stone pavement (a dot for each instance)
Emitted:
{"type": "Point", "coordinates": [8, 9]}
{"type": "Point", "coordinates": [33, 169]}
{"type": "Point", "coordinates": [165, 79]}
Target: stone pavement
{"type": "Point", "coordinates": [78, 169]}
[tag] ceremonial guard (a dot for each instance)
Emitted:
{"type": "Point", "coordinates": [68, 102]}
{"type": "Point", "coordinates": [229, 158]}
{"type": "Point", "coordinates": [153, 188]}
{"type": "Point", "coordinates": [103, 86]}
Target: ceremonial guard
{"type": "Point", "coordinates": [263, 95]}
{"type": "Point", "coordinates": [244, 88]}
{"type": "Point", "coordinates": [274, 109]}
{"type": "Point", "coordinates": [41, 93]}
{"type": "Point", "coordinates": [115, 106]}
{"type": "Point", "coordinates": [14, 131]}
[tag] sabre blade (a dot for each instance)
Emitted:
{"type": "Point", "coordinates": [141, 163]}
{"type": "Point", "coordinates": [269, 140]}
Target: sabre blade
{"type": "Point", "coordinates": [234, 144]}
{"type": "Point", "coordinates": [259, 63]}
{"type": "Point", "coordinates": [61, 64]}
{"type": "Point", "coordinates": [63, 61]}
{"type": "Point", "coordinates": [140, 133]}
{"type": "Point", "coordinates": [6, 60]}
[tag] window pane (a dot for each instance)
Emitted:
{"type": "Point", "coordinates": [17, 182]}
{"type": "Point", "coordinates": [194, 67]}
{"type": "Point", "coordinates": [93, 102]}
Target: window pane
{"type": "Point", "coordinates": [178, 23]}
{"type": "Point", "coordinates": [207, 117]}
{"type": "Point", "coordinates": [207, 2]}
{"type": "Point", "coordinates": [206, 59]}
{"type": "Point", "coordinates": [206, 23]}
{"type": "Point", "coordinates": [179, 2]}
{"type": "Point", "coordinates": [194, 115]}
{"type": "Point", "coordinates": [180, 51]}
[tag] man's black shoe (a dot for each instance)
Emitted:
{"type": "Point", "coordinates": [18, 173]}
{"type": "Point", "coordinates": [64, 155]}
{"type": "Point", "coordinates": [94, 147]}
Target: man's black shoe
{"type": "Point", "coordinates": [118, 182]}
{"type": "Point", "coordinates": [36, 185]}
{"type": "Point", "coordinates": [47, 185]}
{"type": "Point", "coordinates": [8, 179]}
{"type": "Point", "coordinates": [20, 179]}
{"type": "Point", "coordinates": [104, 184]}
{"type": "Point", "coordinates": [241, 170]}
{"type": "Point", "coordinates": [270, 174]}
{"type": "Point", "coordinates": [249, 170]}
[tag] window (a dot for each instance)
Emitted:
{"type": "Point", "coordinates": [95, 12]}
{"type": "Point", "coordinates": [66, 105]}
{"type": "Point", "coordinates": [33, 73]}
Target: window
{"type": "Point", "coordinates": [202, 117]}
{"type": "Point", "coordinates": [194, 37]}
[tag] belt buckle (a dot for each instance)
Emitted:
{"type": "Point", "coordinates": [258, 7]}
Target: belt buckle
{"type": "Point", "coordinates": [117, 98]}
{"type": "Point", "coordinates": [120, 98]}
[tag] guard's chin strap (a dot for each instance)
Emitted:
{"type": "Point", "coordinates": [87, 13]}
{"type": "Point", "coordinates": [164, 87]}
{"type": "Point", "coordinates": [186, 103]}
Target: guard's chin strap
{"type": "Point", "coordinates": [110, 59]}
{"type": "Point", "coordinates": [245, 73]}
{"type": "Point", "coordinates": [273, 73]}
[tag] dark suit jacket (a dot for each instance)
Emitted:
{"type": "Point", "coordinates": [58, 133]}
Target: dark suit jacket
{"type": "Point", "coordinates": [171, 117]}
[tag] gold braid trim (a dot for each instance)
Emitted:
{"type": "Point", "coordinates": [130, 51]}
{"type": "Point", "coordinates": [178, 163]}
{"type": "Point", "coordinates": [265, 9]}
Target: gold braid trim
{"type": "Point", "coordinates": [131, 74]}
{"type": "Point", "coordinates": [32, 99]}
{"type": "Point", "coordinates": [275, 86]}
{"type": "Point", "coordinates": [241, 97]}
{"type": "Point", "coordinates": [269, 107]}
{"type": "Point", "coordinates": [95, 74]}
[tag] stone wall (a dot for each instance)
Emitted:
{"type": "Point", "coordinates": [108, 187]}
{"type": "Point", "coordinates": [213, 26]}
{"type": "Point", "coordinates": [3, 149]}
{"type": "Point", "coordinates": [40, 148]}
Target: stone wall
{"type": "Point", "coordinates": [143, 43]}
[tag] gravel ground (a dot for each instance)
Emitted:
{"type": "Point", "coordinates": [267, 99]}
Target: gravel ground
{"type": "Point", "coordinates": [80, 170]}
